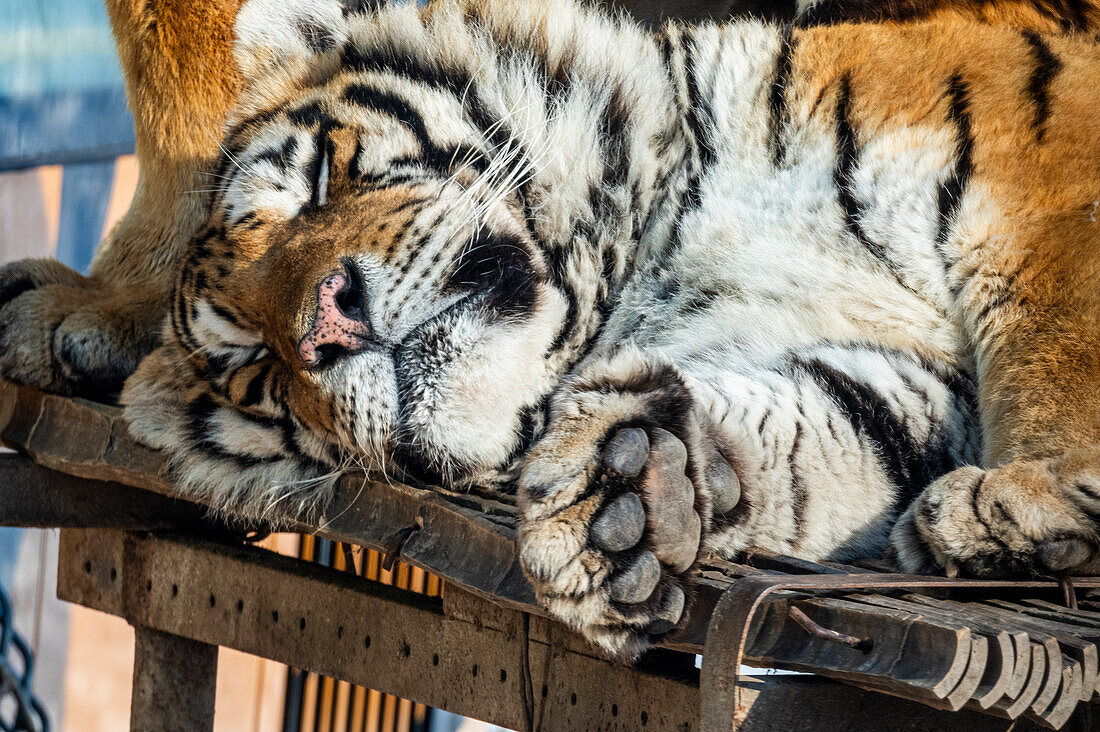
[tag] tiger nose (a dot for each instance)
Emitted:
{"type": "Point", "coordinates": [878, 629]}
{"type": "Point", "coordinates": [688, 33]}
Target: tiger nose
{"type": "Point", "coordinates": [340, 326]}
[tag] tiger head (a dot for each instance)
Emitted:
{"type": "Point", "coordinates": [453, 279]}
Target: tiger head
{"type": "Point", "coordinates": [402, 258]}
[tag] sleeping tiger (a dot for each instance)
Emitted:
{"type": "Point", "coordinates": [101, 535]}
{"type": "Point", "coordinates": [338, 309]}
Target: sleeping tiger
{"type": "Point", "coordinates": [824, 288]}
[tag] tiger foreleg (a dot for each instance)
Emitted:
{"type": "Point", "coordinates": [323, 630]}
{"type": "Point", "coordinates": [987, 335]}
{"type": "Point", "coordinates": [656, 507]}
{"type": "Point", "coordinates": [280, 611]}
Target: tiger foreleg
{"type": "Point", "coordinates": [1027, 517]}
{"type": "Point", "coordinates": [1034, 505]}
{"type": "Point", "coordinates": [647, 464]}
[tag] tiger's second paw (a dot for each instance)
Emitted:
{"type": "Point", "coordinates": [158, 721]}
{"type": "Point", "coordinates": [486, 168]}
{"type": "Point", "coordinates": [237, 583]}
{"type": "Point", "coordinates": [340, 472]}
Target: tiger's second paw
{"type": "Point", "coordinates": [66, 333]}
{"type": "Point", "coordinates": [1025, 518]}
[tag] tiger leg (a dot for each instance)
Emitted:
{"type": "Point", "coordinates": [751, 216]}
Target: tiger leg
{"type": "Point", "coordinates": [66, 332]}
{"type": "Point", "coordinates": [1035, 507]}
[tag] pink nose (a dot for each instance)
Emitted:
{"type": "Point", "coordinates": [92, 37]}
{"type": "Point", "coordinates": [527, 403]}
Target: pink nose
{"type": "Point", "coordinates": [340, 326]}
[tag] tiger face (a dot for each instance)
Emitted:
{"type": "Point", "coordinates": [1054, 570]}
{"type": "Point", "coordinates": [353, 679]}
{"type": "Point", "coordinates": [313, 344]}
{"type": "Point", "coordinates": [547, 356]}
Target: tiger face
{"type": "Point", "coordinates": [368, 287]}
{"type": "Point", "coordinates": [390, 319]}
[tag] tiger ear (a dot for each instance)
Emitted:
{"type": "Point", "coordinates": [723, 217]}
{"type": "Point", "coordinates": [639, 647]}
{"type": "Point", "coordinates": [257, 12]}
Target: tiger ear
{"type": "Point", "coordinates": [287, 38]}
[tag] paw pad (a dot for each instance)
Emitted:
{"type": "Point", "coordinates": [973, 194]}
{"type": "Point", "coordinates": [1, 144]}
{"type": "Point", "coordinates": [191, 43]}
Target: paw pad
{"type": "Point", "coordinates": [635, 528]}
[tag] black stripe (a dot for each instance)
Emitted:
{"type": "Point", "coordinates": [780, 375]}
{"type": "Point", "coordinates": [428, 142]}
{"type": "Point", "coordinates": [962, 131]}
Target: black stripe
{"type": "Point", "coordinates": [1047, 66]}
{"type": "Point", "coordinates": [325, 150]}
{"type": "Point", "coordinates": [847, 161]}
{"type": "Point", "coordinates": [777, 96]}
{"type": "Point", "coordinates": [798, 488]}
{"type": "Point", "coordinates": [225, 314]}
{"type": "Point", "coordinates": [181, 319]}
{"type": "Point", "coordinates": [400, 63]}
{"type": "Point", "coordinates": [310, 114]}
{"type": "Point", "coordinates": [354, 171]}
{"type": "Point", "coordinates": [532, 423]}
{"type": "Point", "coordinates": [908, 464]}
{"type": "Point", "coordinates": [393, 106]}
{"type": "Point", "coordinates": [698, 108]}
{"type": "Point", "coordinates": [357, 7]}
{"type": "Point", "coordinates": [254, 392]}
{"type": "Point", "coordinates": [280, 157]}
{"type": "Point", "coordinates": [1075, 16]}
{"type": "Point", "coordinates": [703, 148]}
{"type": "Point", "coordinates": [558, 265]}
{"type": "Point", "coordinates": [200, 412]}
{"type": "Point", "coordinates": [952, 190]}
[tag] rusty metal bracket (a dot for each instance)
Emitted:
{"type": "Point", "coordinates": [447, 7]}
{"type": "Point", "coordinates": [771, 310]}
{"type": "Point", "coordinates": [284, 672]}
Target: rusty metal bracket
{"type": "Point", "coordinates": [817, 630]}
{"type": "Point", "coordinates": [731, 621]}
{"type": "Point", "coordinates": [397, 543]}
{"type": "Point", "coordinates": [1069, 591]}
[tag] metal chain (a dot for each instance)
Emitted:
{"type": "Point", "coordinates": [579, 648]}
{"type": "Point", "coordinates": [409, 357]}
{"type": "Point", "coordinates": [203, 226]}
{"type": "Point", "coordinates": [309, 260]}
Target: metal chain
{"type": "Point", "coordinates": [15, 685]}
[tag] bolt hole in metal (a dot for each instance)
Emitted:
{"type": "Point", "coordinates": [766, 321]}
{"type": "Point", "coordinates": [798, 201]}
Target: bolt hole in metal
{"type": "Point", "coordinates": [818, 631]}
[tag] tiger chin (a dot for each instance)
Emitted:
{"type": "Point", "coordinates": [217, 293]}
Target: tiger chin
{"type": "Point", "coordinates": [691, 292]}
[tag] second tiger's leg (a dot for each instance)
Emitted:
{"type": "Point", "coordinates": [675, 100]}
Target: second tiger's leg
{"type": "Point", "coordinates": [1034, 508]}
{"type": "Point", "coordinates": [66, 332]}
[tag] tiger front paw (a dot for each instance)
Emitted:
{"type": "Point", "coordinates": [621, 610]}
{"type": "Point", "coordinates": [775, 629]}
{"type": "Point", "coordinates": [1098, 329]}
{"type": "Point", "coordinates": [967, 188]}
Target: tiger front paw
{"type": "Point", "coordinates": [616, 511]}
{"type": "Point", "coordinates": [67, 333]}
{"type": "Point", "coordinates": [1026, 518]}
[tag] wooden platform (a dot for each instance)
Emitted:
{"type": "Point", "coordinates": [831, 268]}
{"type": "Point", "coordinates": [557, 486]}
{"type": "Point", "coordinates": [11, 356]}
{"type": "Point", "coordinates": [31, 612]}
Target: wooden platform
{"type": "Point", "coordinates": [1009, 650]}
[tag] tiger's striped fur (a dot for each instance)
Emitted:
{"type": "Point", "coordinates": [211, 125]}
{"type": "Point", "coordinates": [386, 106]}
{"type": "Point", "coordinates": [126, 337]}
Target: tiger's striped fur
{"type": "Point", "coordinates": [848, 261]}
{"type": "Point", "coordinates": [1044, 16]}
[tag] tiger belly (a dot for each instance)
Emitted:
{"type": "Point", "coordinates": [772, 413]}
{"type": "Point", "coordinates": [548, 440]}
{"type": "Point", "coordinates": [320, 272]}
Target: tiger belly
{"type": "Point", "coordinates": [804, 294]}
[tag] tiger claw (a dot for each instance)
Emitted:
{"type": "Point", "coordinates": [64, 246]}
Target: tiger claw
{"type": "Point", "coordinates": [671, 612]}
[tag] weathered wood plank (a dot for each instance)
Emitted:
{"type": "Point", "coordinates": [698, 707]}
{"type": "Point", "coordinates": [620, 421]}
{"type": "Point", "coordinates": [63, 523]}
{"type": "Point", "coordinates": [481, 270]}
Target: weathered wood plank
{"type": "Point", "coordinates": [1078, 643]}
{"type": "Point", "coordinates": [1000, 671]}
{"type": "Point", "coordinates": [910, 656]}
{"type": "Point", "coordinates": [1049, 704]}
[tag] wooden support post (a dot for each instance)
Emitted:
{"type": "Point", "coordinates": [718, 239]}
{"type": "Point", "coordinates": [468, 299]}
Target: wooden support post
{"type": "Point", "coordinates": [174, 680]}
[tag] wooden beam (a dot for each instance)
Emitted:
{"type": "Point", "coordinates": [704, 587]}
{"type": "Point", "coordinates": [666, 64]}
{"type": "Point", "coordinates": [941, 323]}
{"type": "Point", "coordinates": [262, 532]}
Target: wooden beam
{"type": "Point", "coordinates": [35, 497]}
